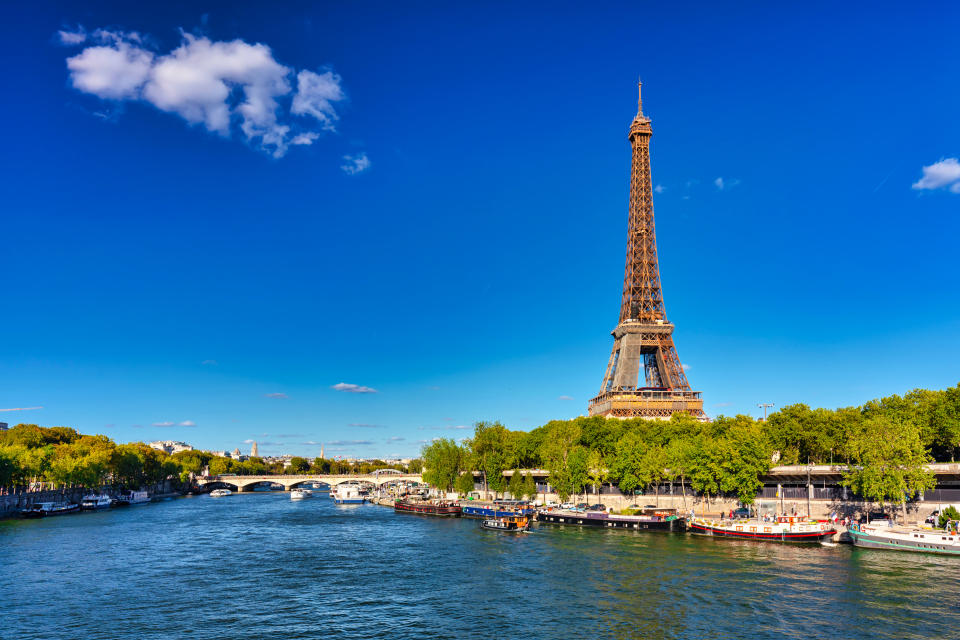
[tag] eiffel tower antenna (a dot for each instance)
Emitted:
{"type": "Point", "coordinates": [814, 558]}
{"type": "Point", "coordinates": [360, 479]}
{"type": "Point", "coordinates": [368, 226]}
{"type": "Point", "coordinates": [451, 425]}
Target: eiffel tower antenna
{"type": "Point", "coordinates": [643, 335]}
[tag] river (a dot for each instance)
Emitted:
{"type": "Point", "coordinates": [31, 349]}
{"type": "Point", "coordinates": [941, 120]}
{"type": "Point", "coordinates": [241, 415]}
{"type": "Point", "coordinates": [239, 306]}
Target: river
{"type": "Point", "coordinates": [259, 565]}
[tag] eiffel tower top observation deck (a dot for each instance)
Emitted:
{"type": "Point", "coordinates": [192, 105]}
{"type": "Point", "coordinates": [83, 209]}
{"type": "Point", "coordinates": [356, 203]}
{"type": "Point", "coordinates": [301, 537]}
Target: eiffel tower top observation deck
{"type": "Point", "coordinates": [643, 334]}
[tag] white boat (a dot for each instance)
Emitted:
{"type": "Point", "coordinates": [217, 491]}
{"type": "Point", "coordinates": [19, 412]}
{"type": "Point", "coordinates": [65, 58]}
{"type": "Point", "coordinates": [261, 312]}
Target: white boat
{"type": "Point", "coordinates": [347, 494]}
{"type": "Point", "coordinates": [44, 509]}
{"type": "Point", "coordinates": [93, 502]}
{"type": "Point", "coordinates": [884, 536]}
{"type": "Point", "coordinates": [220, 493]}
{"type": "Point", "coordinates": [300, 494]}
{"type": "Point", "coordinates": [132, 498]}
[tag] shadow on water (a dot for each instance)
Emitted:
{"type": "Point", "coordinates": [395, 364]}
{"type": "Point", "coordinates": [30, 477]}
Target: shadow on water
{"type": "Point", "coordinates": [261, 565]}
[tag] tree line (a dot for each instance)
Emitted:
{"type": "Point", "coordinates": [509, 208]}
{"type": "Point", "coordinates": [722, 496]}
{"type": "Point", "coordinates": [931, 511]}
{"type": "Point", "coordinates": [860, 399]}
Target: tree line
{"type": "Point", "coordinates": [62, 457]}
{"type": "Point", "coordinates": [882, 444]}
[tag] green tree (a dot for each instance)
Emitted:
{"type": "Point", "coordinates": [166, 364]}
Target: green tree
{"type": "Point", "coordinates": [493, 453]}
{"type": "Point", "coordinates": [889, 461]}
{"type": "Point", "coordinates": [415, 465]}
{"type": "Point", "coordinates": [220, 465]}
{"type": "Point", "coordinates": [443, 462]}
{"type": "Point", "coordinates": [597, 470]}
{"type": "Point", "coordinates": [679, 453]}
{"type": "Point", "coordinates": [948, 514]}
{"type": "Point", "coordinates": [529, 487]}
{"type": "Point", "coordinates": [464, 483]}
{"type": "Point", "coordinates": [515, 486]}
{"type": "Point", "coordinates": [299, 465]}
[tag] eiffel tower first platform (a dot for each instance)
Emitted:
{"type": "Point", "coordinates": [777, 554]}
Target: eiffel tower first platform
{"type": "Point", "coordinates": [643, 335]}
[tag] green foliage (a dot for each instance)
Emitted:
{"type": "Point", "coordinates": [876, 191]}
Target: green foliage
{"type": "Point", "coordinates": [529, 487]}
{"type": "Point", "coordinates": [948, 514]}
{"type": "Point", "coordinates": [888, 457]}
{"type": "Point", "coordinates": [493, 452]}
{"type": "Point", "coordinates": [444, 461]}
{"type": "Point", "coordinates": [516, 485]}
{"type": "Point", "coordinates": [464, 483]}
{"type": "Point", "coordinates": [299, 465]}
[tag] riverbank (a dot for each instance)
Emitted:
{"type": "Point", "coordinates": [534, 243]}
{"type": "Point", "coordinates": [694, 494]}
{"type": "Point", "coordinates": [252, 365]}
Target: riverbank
{"type": "Point", "coordinates": [12, 504]}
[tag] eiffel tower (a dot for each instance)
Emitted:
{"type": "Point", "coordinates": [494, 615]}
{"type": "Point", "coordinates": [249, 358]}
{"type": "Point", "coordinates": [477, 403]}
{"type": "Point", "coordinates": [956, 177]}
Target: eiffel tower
{"type": "Point", "coordinates": [643, 334]}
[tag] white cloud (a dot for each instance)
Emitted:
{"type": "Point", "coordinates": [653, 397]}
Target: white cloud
{"type": "Point", "coordinates": [187, 423]}
{"type": "Point", "coordinates": [71, 38]}
{"type": "Point", "coordinates": [686, 367]}
{"type": "Point", "coordinates": [209, 362]}
{"type": "Point", "coordinates": [216, 84]}
{"type": "Point", "coordinates": [943, 174]}
{"type": "Point", "coordinates": [396, 439]}
{"type": "Point", "coordinates": [722, 184]}
{"type": "Point", "coordinates": [659, 188]}
{"type": "Point", "coordinates": [341, 443]}
{"type": "Point", "coordinates": [166, 423]}
{"type": "Point", "coordinates": [315, 94]}
{"type": "Point", "coordinates": [352, 165]}
{"type": "Point", "coordinates": [565, 398]}
{"type": "Point", "coordinates": [22, 409]}
{"type": "Point", "coordinates": [346, 387]}
{"type": "Point", "coordinates": [276, 396]}
{"type": "Point", "coordinates": [170, 423]}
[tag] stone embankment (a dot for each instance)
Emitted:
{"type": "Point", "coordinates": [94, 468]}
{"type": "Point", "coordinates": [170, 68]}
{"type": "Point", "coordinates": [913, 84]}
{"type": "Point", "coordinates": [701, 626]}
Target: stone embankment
{"type": "Point", "coordinates": [11, 504]}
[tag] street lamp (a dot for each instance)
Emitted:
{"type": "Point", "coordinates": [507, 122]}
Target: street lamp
{"type": "Point", "coordinates": [764, 406]}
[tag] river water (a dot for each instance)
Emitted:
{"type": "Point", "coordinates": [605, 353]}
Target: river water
{"type": "Point", "coordinates": [259, 565]}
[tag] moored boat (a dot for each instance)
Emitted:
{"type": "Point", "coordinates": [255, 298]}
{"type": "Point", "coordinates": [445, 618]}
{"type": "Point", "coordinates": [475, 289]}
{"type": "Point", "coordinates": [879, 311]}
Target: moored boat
{"type": "Point", "coordinates": [437, 508]}
{"type": "Point", "coordinates": [507, 524]}
{"type": "Point", "coordinates": [496, 509]}
{"type": "Point", "coordinates": [220, 493]}
{"type": "Point", "coordinates": [131, 498]}
{"type": "Point", "coordinates": [94, 502]}
{"type": "Point", "coordinates": [643, 520]}
{"type": "Point", "coordinates": [44, 509]}
{"type": "Point", "coordinates": [347, 494]}
{"type": "Point", "coordinates": [300, 494]}
{"type": "Point", "coordinates": [782, 529]}
{"type": "Point", "coordinates": [946, 542]}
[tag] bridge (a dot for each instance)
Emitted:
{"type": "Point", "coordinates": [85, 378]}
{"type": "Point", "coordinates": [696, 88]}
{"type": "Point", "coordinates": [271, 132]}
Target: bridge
{"type": "Point", "coordinates": [377, 479]}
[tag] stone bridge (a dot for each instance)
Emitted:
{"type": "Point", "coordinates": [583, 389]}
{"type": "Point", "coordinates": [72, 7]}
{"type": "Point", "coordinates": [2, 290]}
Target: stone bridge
{"type": "Point", "coordinates": [377, 479]}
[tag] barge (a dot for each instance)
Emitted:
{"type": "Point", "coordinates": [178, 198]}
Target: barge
{"type": "Point", "coordinates": [783, 529]}
{"type": "Point", "coordinates": [497, 509]}
{"type": "Point", "coordinates": [644, 520]}
{"type": "Point", "coordinates": [945, 542]}
{"type": "Point", "coordinates": [436, 508]}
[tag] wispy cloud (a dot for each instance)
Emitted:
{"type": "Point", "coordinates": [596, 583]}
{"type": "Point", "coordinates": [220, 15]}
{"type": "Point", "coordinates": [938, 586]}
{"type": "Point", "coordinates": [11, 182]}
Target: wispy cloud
{"type": "Point", "coordinates": [347, 387]}
{"type": "Point", "coordinates": [288, 435]}
{"type": "Point", "coordinates": [209, 363]}
{"type": "Point", "coordinates": [446, 427]}
{"type": "Point", "coordinates": [685, 367]}
{"type": "Point", "coordinates": [22, 409]}
{"type": "Point", "coordinates": [723, 404]}
{"type": "Point", "coordinates": [352, 165]}
{"type": "Point", "coordinates": [364, 425]}
{"type": "Point", "coordinates": [225, 87]}
{"type": "Point", "coordinates": [721, 183]}
{"type": "Point", "coordinates": [565, 398]}
{"type": "Point", "coordinates": [276, 396]}
{"type": "Point", "coordinates": [170, 423]}
{"type": "Point", "coordinates": [350, 443]}
{"type": "Point", "coordinates": [659, 188]}
{"type": "Point", "coordinates": [396, 439]}
{"type": "Point", "coordinates": [944, 174]}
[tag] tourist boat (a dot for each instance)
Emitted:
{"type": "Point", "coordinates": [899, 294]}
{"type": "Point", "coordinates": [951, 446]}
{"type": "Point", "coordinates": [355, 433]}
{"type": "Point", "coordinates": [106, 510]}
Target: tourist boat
{"type": "Point", "coordinates": [497, 509]}
{"type": "Point", "coordinates": [347, 494]}
{"type": "Point", "coordinates": [644, 520]}
{"type": "Point", "coordinates": [300, 494]}
{"type": "Point", "coordinates": [782, 529]}
{"type": "Point", "coordinates": [94, 502]}
{"type": "Point", "coordinates": [871, 536]}
{"type": "Point", "coordinates": [508, 524]}
{"type": "Point", "coordinates": [131, 498]}
{"type": "Point", "coordinates": [44, 509]}
{"type": "Point", "coordinates": [220, 493]}
{"type": "Point", "coordinates": [437, 508]}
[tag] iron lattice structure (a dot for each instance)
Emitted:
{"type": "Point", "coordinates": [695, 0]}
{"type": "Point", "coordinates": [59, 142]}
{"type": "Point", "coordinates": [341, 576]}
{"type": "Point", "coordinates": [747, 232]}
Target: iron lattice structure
{"type": "Point", "coordinates": [643, 334]}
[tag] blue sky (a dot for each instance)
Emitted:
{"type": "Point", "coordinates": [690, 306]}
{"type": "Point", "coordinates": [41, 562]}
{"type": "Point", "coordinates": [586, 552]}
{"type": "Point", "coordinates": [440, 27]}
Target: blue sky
{"type": "Point", "coordinates": [214, 214]}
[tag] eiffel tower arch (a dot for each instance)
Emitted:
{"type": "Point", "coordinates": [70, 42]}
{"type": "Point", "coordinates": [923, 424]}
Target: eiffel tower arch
{"type": "Point", "coordinates": [643, 336]}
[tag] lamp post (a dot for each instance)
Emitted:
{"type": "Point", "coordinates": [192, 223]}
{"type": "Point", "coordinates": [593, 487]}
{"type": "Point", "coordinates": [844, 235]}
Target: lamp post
{"type": "Point", "coordinates": [765, 406]}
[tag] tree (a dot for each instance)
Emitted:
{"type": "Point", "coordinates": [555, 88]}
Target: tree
{"type": "Point", "coordinates": [948, 514]}
{"type": "Point", "coordinates": [653, 467]}
{"type": "Point", "coordinates": [529, 487]}
{"type": "Point", "coordinates": [220, 465]}
{"type": "Point", "coordinates": [443, 462]}
{"type": "Point", "coordinates": [889, 462]}
{"type": "Point", "coordinates": [628, 467]}
{"type": "Point", "coordinates": [464, 483]}
{"type": "Point", "coordinates": [516, 485]}
{"type": "Point", "coordinates": [493, 453]}
{"type": "Point", "coordinates": [678, 456]}
{"type": "Point", "coordinates": [415, 465]}
{"type": "Point", "coordinates": [299, 465]}
{"type": "Point", "coordinates": [597, 471]}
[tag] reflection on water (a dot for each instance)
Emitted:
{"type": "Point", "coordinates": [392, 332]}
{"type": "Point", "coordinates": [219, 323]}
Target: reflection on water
{"type": "Point", "coordinates": [263, 566]}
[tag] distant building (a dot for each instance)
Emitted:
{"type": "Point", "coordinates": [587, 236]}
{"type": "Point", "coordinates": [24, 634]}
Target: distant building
{"type": "Point", "coordinates": [253, 450]}
{"type": "Point", "coordinates": [171, 446]}
{"type": "Point", "coordinates": [4, 426]}
{"type": "Point", "coordinates": [236, 452]}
